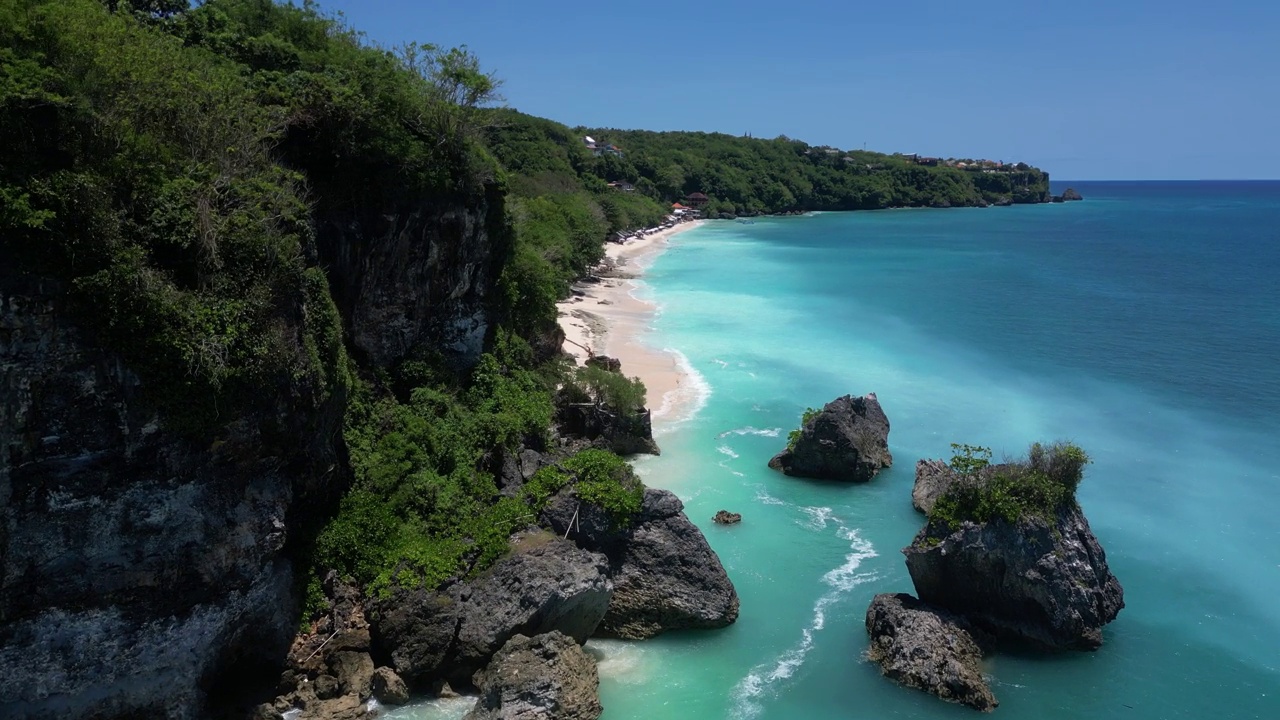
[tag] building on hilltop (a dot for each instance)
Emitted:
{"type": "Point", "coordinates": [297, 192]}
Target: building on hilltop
{"type": "Point", "coordinates": [600, 148]}
{"type": "Point", "coordinates": [697, 199]}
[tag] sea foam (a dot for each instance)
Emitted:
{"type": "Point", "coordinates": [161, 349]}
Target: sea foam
{"type": "Point", "coordinates": [764, 679]}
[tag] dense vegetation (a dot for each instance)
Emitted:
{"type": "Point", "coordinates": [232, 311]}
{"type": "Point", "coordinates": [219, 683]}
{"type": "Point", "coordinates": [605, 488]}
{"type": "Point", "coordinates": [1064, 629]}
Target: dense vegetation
{"type": "Point", "coordinates": [740, 175]}
{"type": "Point", "coordinates": [1040, 485]}
{"type": "Point", "coordinates": [793, 437]}
{"type": "Point", "coordinates": [170, 165]}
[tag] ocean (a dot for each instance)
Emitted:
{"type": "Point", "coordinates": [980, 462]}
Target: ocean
{"type": "Point", "coordinates": [1142, 324]}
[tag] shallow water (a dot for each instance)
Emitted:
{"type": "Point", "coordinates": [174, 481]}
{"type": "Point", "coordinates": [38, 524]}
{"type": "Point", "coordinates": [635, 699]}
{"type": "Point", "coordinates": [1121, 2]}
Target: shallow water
{"type": "Point", "coordinates": [1143, 323]}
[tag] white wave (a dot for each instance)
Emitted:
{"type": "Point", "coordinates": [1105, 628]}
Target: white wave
{"type": "Point", "coordinates": [720, 362]}
{"type": "Point", "coordinates": [818, 517]}
{"type": "Point", "coordinates": [751, 430]}
{"type": "Point", "coordinates": [688, 399]}
{"type": "Point", "coordinates": [726, 450]}
{"type": "Point", "coordinates": [768, 499]}
{"type": "Point", "coordinates": [437, 709]}
{"type": "Point", "coordinates": [761, 681]}
{"type": "Point", "coordinates": [621, 661]}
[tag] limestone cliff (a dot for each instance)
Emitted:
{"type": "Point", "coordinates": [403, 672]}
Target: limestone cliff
{"type": "Point", "coordinates": [415, 276]}
{"type": "Point", "coordinates": [138, 564]}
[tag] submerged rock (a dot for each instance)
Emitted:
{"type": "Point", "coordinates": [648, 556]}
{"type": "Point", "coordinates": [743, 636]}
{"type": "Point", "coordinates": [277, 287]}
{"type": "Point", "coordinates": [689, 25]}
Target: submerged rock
{"type": "Point", "coordinates": [452, 634]}
{"type": "Point", "coordinates": [665, 574]}
{"type": "Point", "coordinates": [547, 677]}
{"type": "Point", "coordinates": [922, 647]}
{"type": "Point", "coordinates": [1041, 580]}
{"type": "Point", "coordinates": [847, 440]}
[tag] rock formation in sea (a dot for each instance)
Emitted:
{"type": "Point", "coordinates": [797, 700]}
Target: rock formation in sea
{"type": "Point", "coordinates": [665, 575]}
{"type": "Point", "coordinates": [1043, 580]}
{"type": "Point", "coordinates": [1071, 194]}
{"type": "Point", "coordinates": [922, 647]}
{"type": "Point", "coordinates": [724, 517]}
{"type": "Point", "coordinates": [847, 440]}
{"type": "Point", "coordinates": [452, 633]}
{"type": "Point", "coordinates": [547, 676]}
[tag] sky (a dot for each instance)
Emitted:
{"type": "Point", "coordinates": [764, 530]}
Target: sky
{"type": "Point", "coordinates": [1087, 90]}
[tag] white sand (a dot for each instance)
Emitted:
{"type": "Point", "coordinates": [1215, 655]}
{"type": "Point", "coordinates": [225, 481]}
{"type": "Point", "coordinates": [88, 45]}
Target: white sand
{"type": "Point", "coordinates": [609, 320]}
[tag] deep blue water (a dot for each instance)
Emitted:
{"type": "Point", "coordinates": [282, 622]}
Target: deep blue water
{"type": "Point", "coordinates": [1142, 323]}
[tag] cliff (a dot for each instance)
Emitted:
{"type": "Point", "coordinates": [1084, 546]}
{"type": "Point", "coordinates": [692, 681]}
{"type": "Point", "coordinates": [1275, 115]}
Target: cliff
{"type": "Point", "coordinates": [139, 567]}
{"type": "Point", "coordinates": [174, 377]}
{"type": "Point", "coordinates": [1042, 580]}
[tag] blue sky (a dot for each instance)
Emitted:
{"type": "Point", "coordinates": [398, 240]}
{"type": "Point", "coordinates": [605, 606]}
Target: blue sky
{"type": "Point", "coordinates": [1124, 89]}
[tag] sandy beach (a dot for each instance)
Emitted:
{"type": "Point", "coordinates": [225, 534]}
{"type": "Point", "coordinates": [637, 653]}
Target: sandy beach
{"type": "Point", "coordinates": [607, 319]}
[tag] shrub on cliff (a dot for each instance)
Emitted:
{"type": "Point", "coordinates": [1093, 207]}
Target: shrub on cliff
{"type": "Point", "coordinates": [1038, 485]}
{"type": "Point", "coordinates": [606, 388]}
{"type": "Point", "coordinates": [607, 481]}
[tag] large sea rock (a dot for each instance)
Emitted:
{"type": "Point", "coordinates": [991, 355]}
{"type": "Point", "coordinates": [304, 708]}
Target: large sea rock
{"type": "Point", "coordinates": [1044, 581]}
{"type": "Point", "coordinates": [451, 634]}
{"type": "Point", "coordinates": [547, 677]}
{"type": "Point", "coordinates": [665, 575]}
{"type": "Point", "coordinates": [847, 440]}
{"type": "Point", "coordinates": [928, 649]}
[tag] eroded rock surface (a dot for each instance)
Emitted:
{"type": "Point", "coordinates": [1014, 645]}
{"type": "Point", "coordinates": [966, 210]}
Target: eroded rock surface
{"type": "Point", "coordinates": [1041, 580]}
{"type": "Point", "coordinates": [547, 677]}
{"type": "Point", "coordinates": [453, 633]}
{"type": "Point", "coordinates": [665, 574]}
{"type": "Point", "coordinates": [928, 649]}
{"type": "Point", "coordinates": [847, 440]}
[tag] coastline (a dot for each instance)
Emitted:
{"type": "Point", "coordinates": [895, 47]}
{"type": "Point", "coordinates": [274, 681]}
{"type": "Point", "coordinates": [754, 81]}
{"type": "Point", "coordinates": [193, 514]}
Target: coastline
{"type": "Point", "coordinates": [604, 317]}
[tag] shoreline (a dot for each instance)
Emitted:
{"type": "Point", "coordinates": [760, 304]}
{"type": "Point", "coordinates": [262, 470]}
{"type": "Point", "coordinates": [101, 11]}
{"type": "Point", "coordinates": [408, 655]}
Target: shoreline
{"type": "Point", "coordinates": [604, 317]}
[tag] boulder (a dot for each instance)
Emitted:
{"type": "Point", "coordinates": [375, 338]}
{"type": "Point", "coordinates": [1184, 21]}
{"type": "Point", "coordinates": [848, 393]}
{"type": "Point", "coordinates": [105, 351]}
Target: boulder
{"type": "Point", "coordinates": [451, 634]}
{"type": "Point", "coordinates": [665, 574]}
{"type": "Point", "coordinates": [1071, 194]}
{"type": "Point", "coordinates": [1040, 580]}
{"type": "Point", "coordinates": [927, 649]}
{"type": "Point", "coordinates": [354, 671]}
{"type": "Point", "coordinates": [547, 677]}
{"type": "Point", "coordinates": [388, 688]}
{"type": "Point", "coordinates": [847, 440]}
{"type": "Point", "coordinates": [605, 362]}
{"type": "Point", "coordinates": [724, 517]}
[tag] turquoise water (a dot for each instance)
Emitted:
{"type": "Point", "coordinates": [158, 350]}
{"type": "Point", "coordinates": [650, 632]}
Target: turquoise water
{"type": "Point", "coordinates": [1143, 323]}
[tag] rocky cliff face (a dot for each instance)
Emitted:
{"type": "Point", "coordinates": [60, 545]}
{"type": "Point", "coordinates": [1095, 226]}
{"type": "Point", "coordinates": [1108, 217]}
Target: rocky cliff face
{"type": "Point", "coordinates": [847, 440]}
{"type": "Point", "coordinates": [549, 676]}
{"type": "Point", "coordinates": [665, 575]}
{"type": "Point", "coordinates": [1038, 580]}
{"type": "Point", "coordinates": [453, 633]}
{"type": "Point", "coordinates": [413, 277]}
{"type": "Point", "coordinates": [137, 565]}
